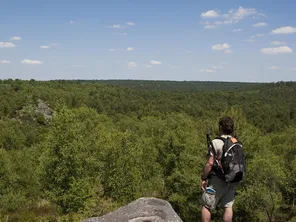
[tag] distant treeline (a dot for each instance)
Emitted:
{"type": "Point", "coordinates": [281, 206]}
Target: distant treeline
{"type": "Point", "coordinates": [182, 85]}
{"type": "Point", "coordinates": [82, 148]}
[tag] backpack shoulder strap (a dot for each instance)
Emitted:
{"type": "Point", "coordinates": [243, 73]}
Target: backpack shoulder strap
{"type": "Point", "coordinates": [221, 138]}
{"type": "Point", "coordinates": [233, 140]}
{"type": "Point", "coordinates": [225, 141]}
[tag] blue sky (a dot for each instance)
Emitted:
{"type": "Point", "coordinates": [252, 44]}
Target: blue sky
{"type": "Point", "coordinates": [233, 40]}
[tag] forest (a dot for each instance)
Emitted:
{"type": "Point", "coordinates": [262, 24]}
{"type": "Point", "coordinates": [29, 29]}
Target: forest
{"type": "Point", "coordinates": [74, 149]}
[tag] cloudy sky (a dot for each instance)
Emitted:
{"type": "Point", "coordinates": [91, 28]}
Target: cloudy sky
{"type": "Point", "coordinates": [233, 40]}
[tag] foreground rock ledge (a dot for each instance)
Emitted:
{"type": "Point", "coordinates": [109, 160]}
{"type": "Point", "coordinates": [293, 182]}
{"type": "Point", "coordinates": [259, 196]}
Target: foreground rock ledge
{"type": "Point", "coordinates": [141, 210]}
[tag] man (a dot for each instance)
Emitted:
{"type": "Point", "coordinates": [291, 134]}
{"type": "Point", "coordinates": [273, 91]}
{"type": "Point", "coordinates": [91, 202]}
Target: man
{"type": "Point", "coordinates": [220, 190]}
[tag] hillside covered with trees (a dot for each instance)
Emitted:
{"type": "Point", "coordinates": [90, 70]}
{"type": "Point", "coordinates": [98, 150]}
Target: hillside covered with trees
{"type": "Point", "coordinates": [77, 149]}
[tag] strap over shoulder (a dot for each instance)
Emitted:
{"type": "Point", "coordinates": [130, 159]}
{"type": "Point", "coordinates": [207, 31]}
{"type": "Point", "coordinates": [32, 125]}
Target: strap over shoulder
{"type": "Point", "coordinates": [228, 142]}
{"type": "Point", "coordinates": [221, 138]}
{"type": "Point", "coordinates": [231, 138]}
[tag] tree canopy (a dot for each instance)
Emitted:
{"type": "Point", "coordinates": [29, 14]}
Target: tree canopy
{"type": "Point", "coordinates": [76, 149]}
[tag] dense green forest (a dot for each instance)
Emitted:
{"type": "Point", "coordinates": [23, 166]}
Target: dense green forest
{"type": "Point", "coordinates": [184, 85]}
{"type": "Point", "coordinates": [77, 149]}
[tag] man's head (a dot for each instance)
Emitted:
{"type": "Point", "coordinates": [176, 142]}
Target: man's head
{"type": "Point", "coordinates": [226, 125]}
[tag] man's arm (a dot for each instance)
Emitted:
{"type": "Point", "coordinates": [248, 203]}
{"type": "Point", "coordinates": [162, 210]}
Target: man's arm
{"type": "Point", "coordinates": [206, 171]}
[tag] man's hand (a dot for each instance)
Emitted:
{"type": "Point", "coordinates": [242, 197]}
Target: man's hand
{"type": "Point", "coordinates": [204, 185]}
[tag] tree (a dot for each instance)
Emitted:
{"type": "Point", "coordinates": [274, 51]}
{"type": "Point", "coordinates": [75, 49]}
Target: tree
{"type": "Point", "coordinates": [71, 167]}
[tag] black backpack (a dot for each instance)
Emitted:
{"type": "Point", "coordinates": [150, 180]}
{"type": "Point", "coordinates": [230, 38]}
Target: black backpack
{"type": "Point", "coordinates": [231, 168]}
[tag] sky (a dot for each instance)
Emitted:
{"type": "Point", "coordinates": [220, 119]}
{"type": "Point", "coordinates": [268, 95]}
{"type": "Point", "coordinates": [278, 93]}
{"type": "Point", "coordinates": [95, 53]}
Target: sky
{"type": "Point", "coordinates": [188, 40]}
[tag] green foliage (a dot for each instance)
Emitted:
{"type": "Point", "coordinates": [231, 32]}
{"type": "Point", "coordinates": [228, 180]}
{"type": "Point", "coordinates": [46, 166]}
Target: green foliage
{"type": "Point", "coordinates": [182, 86]}
{"type": "Point", "coordinates": [11, 136]}
{"type": "Point", "coordinates": [107, 145]}
{"type": "Point", "coordinates": [69, 160]}
{"type": "Point", "coordinates": [130, 169]}
{"type": "Point", "coordinates": [19, 182]}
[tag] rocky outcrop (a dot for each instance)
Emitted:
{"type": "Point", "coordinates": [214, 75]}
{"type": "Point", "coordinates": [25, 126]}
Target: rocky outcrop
{"type": "Point", "coordinates": [40, 113]}
{"type": "Point", "coordinates": [43, 109]}
{"type": "Point", "coordinates": [141, 210]}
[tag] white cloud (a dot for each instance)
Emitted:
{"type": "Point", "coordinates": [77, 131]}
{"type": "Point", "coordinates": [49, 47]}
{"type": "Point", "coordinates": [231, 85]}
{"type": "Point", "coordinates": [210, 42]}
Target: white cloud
{"type": "Point", "coordinates": [220, 47]}
{"type": "Point", "coordinates": [111, 50]}
{"type": "Point", "coordinates": [210, 26]}
{"type": "Point", "coordinates": [277, 43]}
{"type": "Point", "coordinates": [31, 62]}
{"type": "Point", "coordinates": [215, 68]}
{"type": "Point", "coordinates": [251, 39]}
{"type": "Point", "coordinates": [116, 26]}
{"type": "Point", "coordinates": [273, 51]}
{"type": "Point", "coordinates": [130, 49]}
{"type": "Point", "coordinates": [7, 45]}
{"type": "Point", "coordinates": [45, 47]}
{"type": "Point", "coordinates": [153, 62]}
{"type": "Point", "coordinates": [284, 30]}
{"type": "Point", "coordinates": [218, 67]}
{"type": "Point", "coordinates": [209, 14]}
{"type": "Point", "coordinates": [260, 35]}
{"type": "Point", "coordinates": [237, 30]}
{"type": "Point", "coordinates": [72, 22]}
{"type": "Point", "coordinates": [274, 68]}
{"type": "Point", "coordinates": [281, 68]}
{"type": "Point", "coordinates": [15, 38]}
{"type": "Point", "coordinates": [225, 22]}
{"type": "Point", "coordinates": [207, 70]}
{"type": "Point", "coordinates": [260, 24]}
{"type": "Point", "coordinates": [4, 62]}
{"type": "Point", "coordinates": [148, 66]}
{"type": "Point", "coordinates": [131, 23]}
{"type": "Point", "coordinates": [228, 51]}
{"type": "Point", "coordinates": [236, 15]}
{"type": "Point", "coordinates": [241, 13]}
{"type": "Point", "coordinates": [132, 64]}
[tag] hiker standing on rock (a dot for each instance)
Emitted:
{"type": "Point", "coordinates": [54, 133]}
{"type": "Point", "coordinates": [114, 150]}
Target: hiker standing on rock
{"type": "Point", "coordinates": [225, 167]}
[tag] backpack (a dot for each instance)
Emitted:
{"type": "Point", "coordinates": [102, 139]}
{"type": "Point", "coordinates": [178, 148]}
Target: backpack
{"type": "Point", "coordinates": [231, 168]}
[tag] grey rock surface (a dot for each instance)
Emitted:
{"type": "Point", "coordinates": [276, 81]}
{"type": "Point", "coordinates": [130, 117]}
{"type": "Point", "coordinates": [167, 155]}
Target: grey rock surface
{"type": "Point", "coordinates": [44, 109]}
{"type": "Point", "coordinates": [141, 210]}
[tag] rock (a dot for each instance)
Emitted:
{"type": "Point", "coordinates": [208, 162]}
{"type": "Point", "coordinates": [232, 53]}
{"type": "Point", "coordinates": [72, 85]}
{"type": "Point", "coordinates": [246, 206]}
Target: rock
{"type": "Point", "coordinates": [43, 109]}
{"type": "Point", "coordinates": [41, 113]}
{"type": "Point", "coordinates": [141, 210]}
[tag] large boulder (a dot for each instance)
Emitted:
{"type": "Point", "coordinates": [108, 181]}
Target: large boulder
{"type": "Point", "coordinates": [141, 210]}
